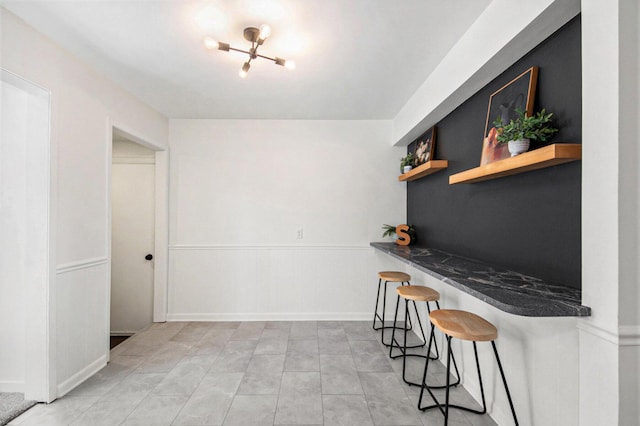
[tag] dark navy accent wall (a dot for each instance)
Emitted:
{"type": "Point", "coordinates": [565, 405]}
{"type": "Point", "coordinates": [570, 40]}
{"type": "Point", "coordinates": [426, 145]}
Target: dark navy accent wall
{"type": "Point", "coordinates": [528, 222]}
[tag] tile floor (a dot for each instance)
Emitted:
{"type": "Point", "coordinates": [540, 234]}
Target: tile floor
{"type": "Point", "coordinates": [251, 373]}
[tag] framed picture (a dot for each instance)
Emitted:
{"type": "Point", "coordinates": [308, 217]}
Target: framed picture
{"type": "Point", "coordinates": [519, 93]}
{"type": "Point", "coordinates": [425, 146]}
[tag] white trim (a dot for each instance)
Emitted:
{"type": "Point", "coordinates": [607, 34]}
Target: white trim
{"type": "Point", "coordinates": [81, 376]}
{"type": "Point", "coordinates": [600, 332]}
{"type": "Point", "coordinates": [40, 376]}
{"type": "Point", "coordinates": [133, 160]}
{"type": "Point", "coordinates": [108, 145]}
{"type": "Point", "coordinates": [81, 264]}
{"type": "Point", "coordinates": [273, 316]}
{"type": "Point", "coordinates": [12, 386]}
{"type": "Point", "coordinates": [626, 335]}
{"type": "Point", "coordinates": [161, 237]}
{"type": "Point", "coordinates": [629, 335]}
{"type": "Point", "coordinates": [174, 247]}
{"type": "Point", "coordinates": [161, 231]}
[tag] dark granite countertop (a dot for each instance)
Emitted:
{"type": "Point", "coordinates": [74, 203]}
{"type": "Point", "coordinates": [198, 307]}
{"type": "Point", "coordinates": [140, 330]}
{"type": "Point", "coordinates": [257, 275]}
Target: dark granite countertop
{"type": "Point", "coordinates": [508, 291]}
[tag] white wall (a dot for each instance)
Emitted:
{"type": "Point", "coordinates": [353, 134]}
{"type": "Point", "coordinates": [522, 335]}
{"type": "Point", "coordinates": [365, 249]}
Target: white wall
{"type": "Point", "coordinates": [241, 190]}
{"type": "Point", "coordinates": [84, 106]}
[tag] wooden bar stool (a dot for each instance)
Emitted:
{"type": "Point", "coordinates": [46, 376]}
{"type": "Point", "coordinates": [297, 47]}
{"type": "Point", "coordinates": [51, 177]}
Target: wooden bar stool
{"type": "Point", "coordinates": [416, 293]}
{"type": "Point", "coordinates": [390, 277]}
{"type": "Point", "coordinates": [464, 326]}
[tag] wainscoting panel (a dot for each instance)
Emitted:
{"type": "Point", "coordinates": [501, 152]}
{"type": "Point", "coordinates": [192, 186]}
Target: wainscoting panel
{"type": "Point", "coordinates": [82, 321]}
{"type": "Point", "coordinates": [273, 282]}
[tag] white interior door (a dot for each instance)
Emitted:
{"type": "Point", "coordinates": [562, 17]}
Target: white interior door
{"type": "Point", "coordinates": [132, 239]}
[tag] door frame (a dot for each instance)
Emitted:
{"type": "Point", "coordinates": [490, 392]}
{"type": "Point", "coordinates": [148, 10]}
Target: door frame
{"type": "Point", "coordinates": [161, 226]}
{"type": "Point", "coordinates": [40, 320]}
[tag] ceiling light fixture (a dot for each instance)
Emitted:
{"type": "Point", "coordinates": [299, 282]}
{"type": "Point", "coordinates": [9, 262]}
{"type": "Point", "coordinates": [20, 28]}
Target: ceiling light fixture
{"type": "Point", "coordinates": [256, 37]}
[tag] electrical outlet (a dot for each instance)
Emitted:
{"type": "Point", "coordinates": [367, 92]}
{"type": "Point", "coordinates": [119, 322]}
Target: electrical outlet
{"type": "Point", "coordinates": [299, 234]}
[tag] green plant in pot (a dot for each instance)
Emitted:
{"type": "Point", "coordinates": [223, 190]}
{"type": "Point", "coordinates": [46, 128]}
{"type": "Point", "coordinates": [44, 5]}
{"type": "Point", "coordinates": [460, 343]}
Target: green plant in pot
{"type": "Point", "coordinates": [407, 162]}
{"type": "Point", "coordinates": [520, 131]}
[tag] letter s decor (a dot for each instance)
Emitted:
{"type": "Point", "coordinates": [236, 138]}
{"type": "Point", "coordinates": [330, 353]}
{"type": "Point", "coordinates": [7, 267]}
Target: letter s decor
{"type": "Point", "coordinates": [404, 239]}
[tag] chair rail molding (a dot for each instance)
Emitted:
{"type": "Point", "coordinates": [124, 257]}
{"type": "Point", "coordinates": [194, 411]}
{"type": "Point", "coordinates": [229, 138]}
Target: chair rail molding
{"type": "Point", "coordinates": [81, 264]}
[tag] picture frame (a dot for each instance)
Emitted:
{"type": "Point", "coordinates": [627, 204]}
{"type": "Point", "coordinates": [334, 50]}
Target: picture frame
{"type": "Point", "coordinates": [519, 93]}
{"type": "Point", "coordinates": [425, 146]}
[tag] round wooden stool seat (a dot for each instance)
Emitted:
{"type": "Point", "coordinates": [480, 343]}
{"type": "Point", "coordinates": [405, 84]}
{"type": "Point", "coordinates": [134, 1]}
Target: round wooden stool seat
{"type": "Point", "coordinates": [394, 276]}
{"type": "Point", "coordinates": [463, 325]}
{"type": "Point", "coordinates": [418, 293]}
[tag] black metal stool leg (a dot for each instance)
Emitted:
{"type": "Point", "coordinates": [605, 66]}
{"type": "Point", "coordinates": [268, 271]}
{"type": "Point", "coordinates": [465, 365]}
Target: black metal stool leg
{"type": "Point", "coordinates": [405, 355]}
{"type": "Point", "coordinates": [375, 312]}
{"type": "Point", "coordinates": [446, 403]}
{"type": "Point", "coordinates": [384, 308]}
{"type": "Point", "coordinates": [484, 403]}
{"type": "Point", "coordinates": [453, 357]}
{"type": "Point", "coordinates": [424, 338]}
{"type": "Point", "coordinates": [435, 342]}
{"type": "Point", "coordinates": [424, 379]}
{"type": "Point", "coordinates": [504, 381]}
{"type": "Point", "coordinates": [396, 344]}
{"type": "Point", "coordinates": [448, 385]}
{"type": "Point", "coordinates": [393, 331]}
{"type": "Point", "coordinates": [410, 324]}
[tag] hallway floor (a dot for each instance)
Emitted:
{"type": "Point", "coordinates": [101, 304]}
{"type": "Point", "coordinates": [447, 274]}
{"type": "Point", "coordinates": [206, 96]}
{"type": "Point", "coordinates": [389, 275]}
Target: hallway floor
{"type": "Point", "coordinates": [252, 373]}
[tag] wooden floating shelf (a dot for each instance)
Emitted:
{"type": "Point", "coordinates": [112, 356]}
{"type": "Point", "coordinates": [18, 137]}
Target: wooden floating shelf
{"type": "Point", "coordinates": [423, 170]}
{"type": "Point", "coordinates": [541, 158]}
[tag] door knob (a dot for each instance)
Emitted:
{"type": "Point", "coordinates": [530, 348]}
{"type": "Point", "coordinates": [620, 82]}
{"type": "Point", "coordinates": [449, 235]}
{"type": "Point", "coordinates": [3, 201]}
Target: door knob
{"type": "Point", "coordinates": [149, 256]}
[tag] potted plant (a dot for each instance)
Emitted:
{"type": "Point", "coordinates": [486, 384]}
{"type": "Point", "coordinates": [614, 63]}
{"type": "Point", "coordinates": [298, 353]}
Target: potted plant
{"type": "Point", "coordinates": [389, 231]}
{"type": "Point", "coordinates": [407, 162]}
{"type": "Point", "coordinates": [518, 133]}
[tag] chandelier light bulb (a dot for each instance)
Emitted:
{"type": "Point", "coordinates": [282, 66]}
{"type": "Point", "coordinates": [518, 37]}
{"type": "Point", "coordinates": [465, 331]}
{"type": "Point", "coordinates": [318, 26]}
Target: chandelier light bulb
{"type": "Point", "coordinates": [210, 43]}
{"type": "Point", "coordinates": [289, 64]}
{"type": "Point", "coordinates": [245, 70]}
{"type": "Point", "coordinates": [265, 31]}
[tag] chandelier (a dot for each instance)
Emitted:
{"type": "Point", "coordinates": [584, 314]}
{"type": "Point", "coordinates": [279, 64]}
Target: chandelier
{"type": "Point", "coordinates": [257, 38]}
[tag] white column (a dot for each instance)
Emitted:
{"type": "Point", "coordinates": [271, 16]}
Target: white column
{"type": "Point", "coordinates": [609, 343]}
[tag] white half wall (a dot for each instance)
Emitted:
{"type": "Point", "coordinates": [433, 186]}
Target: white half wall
{"type": "Point", "coordinates": [540, 358]}
{"type": "Point", "coordinates": [243, 192]}
{"type": "Point", "coordinates": [83, 104]}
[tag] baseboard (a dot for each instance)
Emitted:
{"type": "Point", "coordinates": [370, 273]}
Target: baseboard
{"type": "Point", "coordinates": [122, 333]}
{"type": "Point", "coordinates": [11, 386]}
{"type": "Point", "coordinates": [82, 375]}
{"type": "Point", "coordinates": [280, 316]}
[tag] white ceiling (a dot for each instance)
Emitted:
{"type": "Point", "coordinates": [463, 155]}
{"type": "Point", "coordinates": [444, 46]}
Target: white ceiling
{"type": "Point", "coordinates": [356, 59]}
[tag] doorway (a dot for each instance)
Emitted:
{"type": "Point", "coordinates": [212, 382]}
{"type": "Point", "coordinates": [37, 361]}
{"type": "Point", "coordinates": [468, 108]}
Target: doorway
{"type": "Point", "coordinates": [132, 236]}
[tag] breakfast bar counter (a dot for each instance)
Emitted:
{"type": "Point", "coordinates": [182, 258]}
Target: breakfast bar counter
{"type": "Point", "coordinates": [506, 290]}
